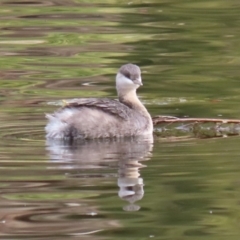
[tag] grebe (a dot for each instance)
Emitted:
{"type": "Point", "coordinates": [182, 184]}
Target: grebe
{"type": "Point", "coordinates": [89, 118]}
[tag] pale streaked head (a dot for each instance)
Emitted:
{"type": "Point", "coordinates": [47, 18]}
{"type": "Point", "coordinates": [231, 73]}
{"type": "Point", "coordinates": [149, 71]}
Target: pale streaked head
{"type": "Point", "coordinates": [128, 77]}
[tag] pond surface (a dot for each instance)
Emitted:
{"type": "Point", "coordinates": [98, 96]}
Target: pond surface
{"type": "Point", "coordinates": [172, 188]}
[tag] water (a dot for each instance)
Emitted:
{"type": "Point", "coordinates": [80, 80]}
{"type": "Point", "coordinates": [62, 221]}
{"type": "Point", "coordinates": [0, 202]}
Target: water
{"type": "Point", "coordinates": [174, 188]}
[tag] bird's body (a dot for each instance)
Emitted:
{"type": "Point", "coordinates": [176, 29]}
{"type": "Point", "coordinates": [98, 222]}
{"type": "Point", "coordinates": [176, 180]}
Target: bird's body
{"type": "Point", "coordinates": [101, 117]}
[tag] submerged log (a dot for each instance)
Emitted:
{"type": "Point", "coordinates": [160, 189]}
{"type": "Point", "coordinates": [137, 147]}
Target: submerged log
{"type": "Point", "coordinates": [168, 126]}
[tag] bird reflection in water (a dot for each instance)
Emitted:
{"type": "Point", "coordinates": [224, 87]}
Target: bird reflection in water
{"type": "Point", "coordinates": [93, 154]}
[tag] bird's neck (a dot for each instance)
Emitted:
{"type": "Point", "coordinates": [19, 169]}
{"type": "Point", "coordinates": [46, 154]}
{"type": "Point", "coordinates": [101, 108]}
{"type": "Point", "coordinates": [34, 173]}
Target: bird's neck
{"type": "Point", "coordinates": [131, 99]}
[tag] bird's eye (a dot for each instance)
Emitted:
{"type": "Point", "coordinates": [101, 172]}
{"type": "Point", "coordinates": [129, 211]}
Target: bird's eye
{"type": "Point", "coordinates": [127, 75]}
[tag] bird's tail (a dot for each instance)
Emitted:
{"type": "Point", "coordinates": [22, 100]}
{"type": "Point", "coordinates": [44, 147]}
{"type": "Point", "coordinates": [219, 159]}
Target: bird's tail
{"type": "Point", "coordinates": [56, 128]}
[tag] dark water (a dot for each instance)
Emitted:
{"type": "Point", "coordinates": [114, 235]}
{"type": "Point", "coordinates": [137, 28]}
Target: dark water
{"type": "Point", "coordinates": [170, 189]}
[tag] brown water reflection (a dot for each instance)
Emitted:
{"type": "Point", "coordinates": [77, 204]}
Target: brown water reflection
{"type": "Point", "coordinates": [40, 3]}
{"type": "Point", "coordinates": [48, 219]}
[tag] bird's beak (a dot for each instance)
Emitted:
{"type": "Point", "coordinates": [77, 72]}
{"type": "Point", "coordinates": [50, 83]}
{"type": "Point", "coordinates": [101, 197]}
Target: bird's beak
{"type": "Point", "coordinates": [138, 81]}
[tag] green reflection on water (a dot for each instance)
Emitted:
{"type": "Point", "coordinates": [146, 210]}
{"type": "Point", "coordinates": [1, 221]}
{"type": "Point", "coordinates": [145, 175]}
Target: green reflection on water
{"type": "Point", "coordinates": [189, 55]}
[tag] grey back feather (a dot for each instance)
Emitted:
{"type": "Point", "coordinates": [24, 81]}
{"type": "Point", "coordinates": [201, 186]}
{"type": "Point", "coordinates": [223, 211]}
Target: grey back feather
{"type": "Point", "coordinates": [112, 107]}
